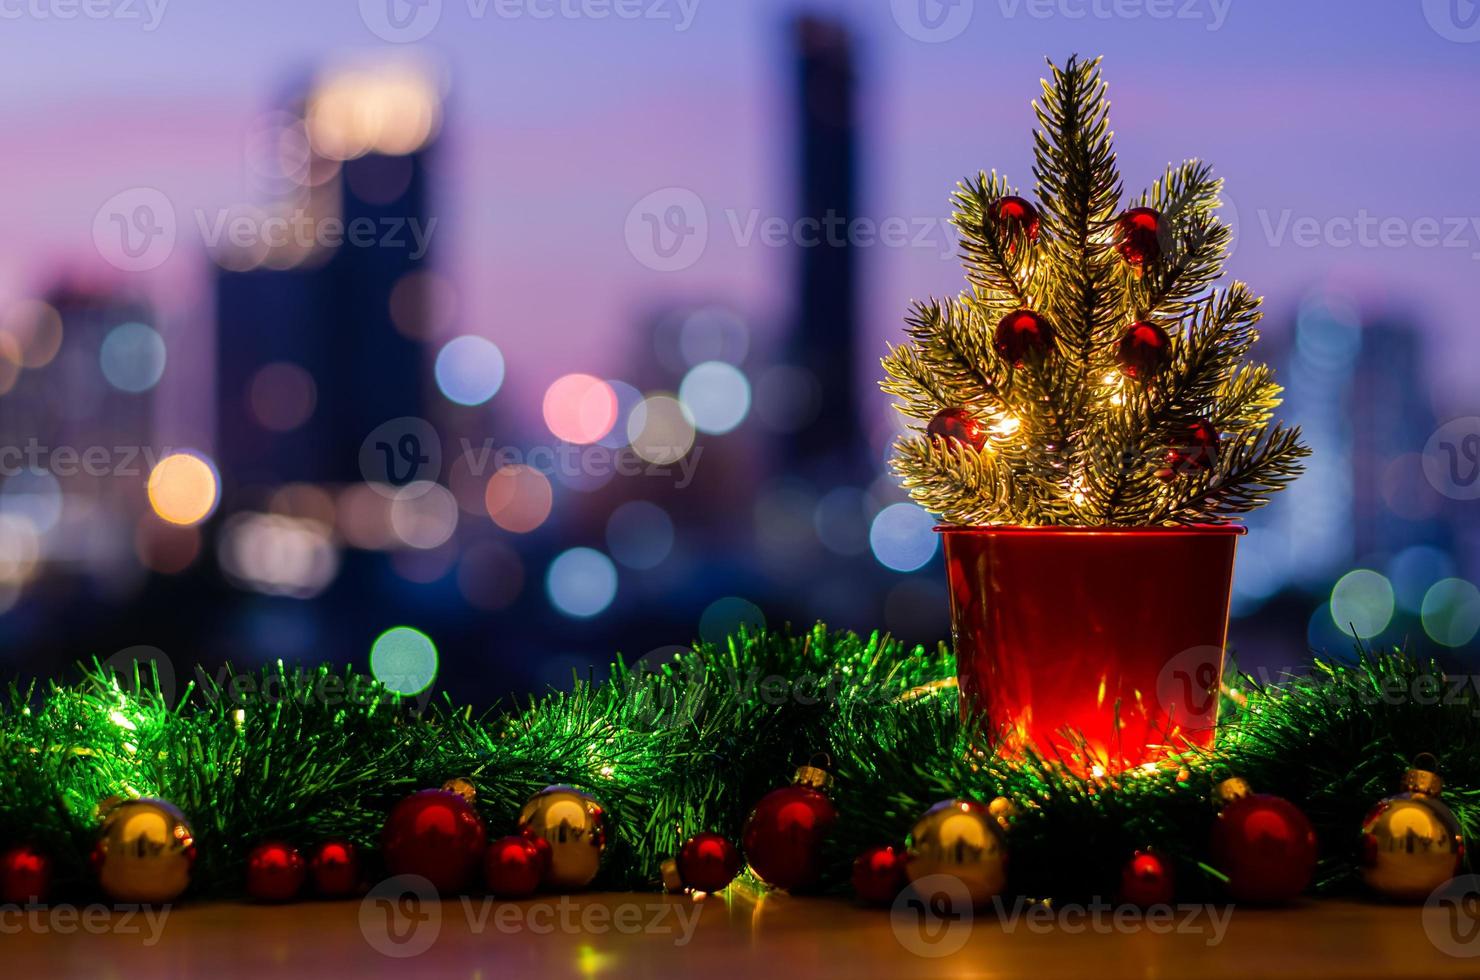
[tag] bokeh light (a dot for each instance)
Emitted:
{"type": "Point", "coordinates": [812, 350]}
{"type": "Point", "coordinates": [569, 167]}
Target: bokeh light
{"type": "Point", "coordinates": [841, 521]}
{"type": "Point", "coordinates": [184, 488]}
{"type": "Point", "coordinates": [278, 555]}
{"type": "Point", "coordinates": [713, 333]}
{"type": "Point", "coordinates": [423, 514]}
{"type": "Point", "coordinates": [639, 534]}
{"type": "Point", "coordinates": [490, 576]}
{"type": "Point", "coordinates": [363, 516]}
{"type": "Point", "coordinates": [787, 398]}
{"type": "Point", "coordinates": [392, 109]}
{"type": "Point", "coordinates": [581, 582]}
{"type": "Point", "coordinates": [404, 659]}
{"type": "Point", "coordinates": [165, 548]}
{"type": "Point", "coordinates": [1412, 571]}
{"type": "Point", "coordinates": [518, 498]}
{"type": "Point", "coordinates": [1362, 603]}
{"type": "Point", "coordinates": [580, 408]}
{"type": "Point", "coordinates": [35, 496]}
{"type": "Point", "coordinates": [660, 429]}
{"type": "Point", "coordinates": [20, 550]}
{"type": "Point", "coordinates": [724, 617]}
{"type": "Point", "coordinates": [628, 398]}
{"type": "Point", "coordinates": [282, 396]}
{"type": "Point", "coordinates": [717, 396]}
{"type": "Point", "coordinates": [469, 370]}
{"type": "Point", "coordinates": [132, 357]}
{"type": "Point", "coordinates": [33, 332]}
{"type": "Point", "coordinates": [1451, 612]}
{"type": "Point", "coordinates": [902, 537]}
{"type": "Point", "coordinates": [423, 304]}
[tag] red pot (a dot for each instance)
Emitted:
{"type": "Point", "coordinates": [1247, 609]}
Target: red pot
{"type": "Point", "coordinates": [1100, 646]}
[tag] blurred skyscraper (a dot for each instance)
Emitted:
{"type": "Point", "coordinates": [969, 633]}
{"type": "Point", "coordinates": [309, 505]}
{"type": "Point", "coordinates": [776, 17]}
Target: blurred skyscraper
{"type": "Point", "coordinates": [825, 332]}
{"type": "Point", "coordinates": [321, 321]}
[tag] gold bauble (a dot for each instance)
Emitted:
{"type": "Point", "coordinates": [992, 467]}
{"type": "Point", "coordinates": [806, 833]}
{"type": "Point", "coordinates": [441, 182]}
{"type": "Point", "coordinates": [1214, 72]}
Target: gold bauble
{"type": "Point", "coordinates": [574, 825]}
{"type": "Point", "coordinates": [1411, 842]}
{"type": "Point", "coordinates": [463, 788]}
{"type": "Point", "coordinates": [963, 839]}
{"type": "Point", "coordinates": [144, 852]}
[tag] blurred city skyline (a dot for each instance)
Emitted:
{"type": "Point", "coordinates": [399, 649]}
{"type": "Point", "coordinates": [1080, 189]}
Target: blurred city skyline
{"type": "Point", "coordinates": [613, 202]}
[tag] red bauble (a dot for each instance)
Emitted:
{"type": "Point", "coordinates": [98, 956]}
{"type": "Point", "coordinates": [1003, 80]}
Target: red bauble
{"type": "Point", "coordinates": [784, 835]}
{"type": "Point", "coordinates": [1147, 879]}
{"type": "Point", "coordinates": [275, 872]}
{"type": "Point", "coordinates": [1194, 450]}
{"type": "Point", "coordinates": [25, 876]}
{"type": "Point", "coordinates": [1021, 333]}
{"type": "Point", "coordinates": [708, 862]}
{"type": "Point", "coordinates": [957, 425]}
{"type": "Point", "coordinates": [1266, 847]}
{"type": "Point", "coordinates": [513, 867]}
{"type": "Point", "coordinates": [1138, 236]}
{"type": "Point", "coordinates": [436, 834]}
{"type": "Point", "coordinates": [1144, 350]}
{"type": "Point", "coordinates": [878, 874]}
{"type": "Point", "coordinates": [1016, 216]}
{"type": "Point", "coordinates": [335, 870]}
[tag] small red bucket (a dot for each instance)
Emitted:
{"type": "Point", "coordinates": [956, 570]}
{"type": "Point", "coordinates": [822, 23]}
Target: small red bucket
{"type": "Point", "coordinates": [1102, 647]}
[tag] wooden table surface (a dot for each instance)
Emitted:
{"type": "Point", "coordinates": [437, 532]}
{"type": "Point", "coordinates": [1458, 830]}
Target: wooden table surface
{"type": "Point", "coordinates": [776, 935]}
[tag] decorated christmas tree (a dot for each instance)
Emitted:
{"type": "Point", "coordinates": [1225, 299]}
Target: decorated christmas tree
{"type": "Point", "coordinates": [1091, 373]}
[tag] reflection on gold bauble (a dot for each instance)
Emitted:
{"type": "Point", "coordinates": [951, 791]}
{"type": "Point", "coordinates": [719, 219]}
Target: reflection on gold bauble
{"type": "Point", "coordinates": [1411, 842]}
{"type": "Point", "coordinates": [963, 839]}
{"type": "Point", "coordinates": [144, 852]}
{"type": "Point", "coordinates": [573, 824]}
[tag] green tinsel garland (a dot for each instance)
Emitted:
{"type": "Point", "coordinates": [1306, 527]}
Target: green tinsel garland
{"type": "Point", "coordinates": [693, 745]}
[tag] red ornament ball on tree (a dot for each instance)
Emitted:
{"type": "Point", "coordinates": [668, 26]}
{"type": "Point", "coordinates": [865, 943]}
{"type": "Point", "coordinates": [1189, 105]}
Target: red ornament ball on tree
{"type": "Point", "coordinates": [1266, 847]}
{"type": "Point", "coordinates": [1144, 350]}
{"type": "Point", "coordinates": [1022, 333]}
{"type": "Point", "coordinates": [1016, 216]}
{"type": "Point", "coordinates": [1147, 879]}
{"type": "Point", "coordinates": [1139, 233]}
{"type": "Point", "coordinates": [957, 425]}
{"type": "Point", "coordinates": [784, 835]}
{"type": "Point", "coordinates": [25, 876]}
{"type": "Point", "coordinates": [513, 867]}
{"type": "Point", "coordinates": [275, 872]}
{"type": "Point", "coordinates": [708, 862]}
{"type": "Point", "coordinates": [335, 869]}
{"type": "Point", "coordinates": [878, 874]}
{"type": "Point", "coordinates": [436, 834]}
{"type": "Point", "coordinates": [1195, 449]}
